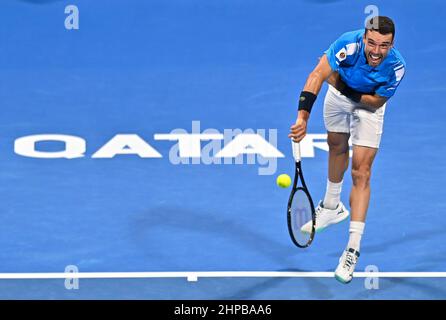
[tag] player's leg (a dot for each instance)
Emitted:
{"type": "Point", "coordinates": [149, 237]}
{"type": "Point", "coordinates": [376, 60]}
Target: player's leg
{"type": "Point", "coordinates": [331, 210]}
{"type": "Point", "coordinates": [366, 136]}
{"type": "Point", "coordinates": [337, 122]}
{"type": "Point", "coordinates": [337, 110]}
{"type": "Point", "coordinates": [338, 159]}
{"type": "Point", "coordinates": [361, 172]}
{"type": "Point", "coordinates": [359, 201]}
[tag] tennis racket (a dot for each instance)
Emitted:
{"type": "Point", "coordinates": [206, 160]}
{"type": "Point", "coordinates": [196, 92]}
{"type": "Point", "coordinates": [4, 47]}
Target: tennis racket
{"type": "Point", "coordinates": [300, 206]}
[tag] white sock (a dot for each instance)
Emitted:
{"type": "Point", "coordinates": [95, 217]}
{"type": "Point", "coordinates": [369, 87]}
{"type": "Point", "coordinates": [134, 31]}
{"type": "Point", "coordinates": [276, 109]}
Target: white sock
{"type": "Point", "coordinates": [356, 231]}
{"type": "Point", "coordinates": [332, 195]}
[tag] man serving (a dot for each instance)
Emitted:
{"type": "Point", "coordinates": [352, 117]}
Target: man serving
{"type": "Point", "coordinates": [363, 71]}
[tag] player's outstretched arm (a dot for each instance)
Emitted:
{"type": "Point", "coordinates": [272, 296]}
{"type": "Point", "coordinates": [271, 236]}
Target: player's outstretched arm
{"type": "Point", "coordinates": [308, 96]}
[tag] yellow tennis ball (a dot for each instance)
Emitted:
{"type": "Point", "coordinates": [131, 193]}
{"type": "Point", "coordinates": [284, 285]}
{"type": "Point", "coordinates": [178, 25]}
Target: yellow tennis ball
{"type": "Point", "coordinates": [283, 181]}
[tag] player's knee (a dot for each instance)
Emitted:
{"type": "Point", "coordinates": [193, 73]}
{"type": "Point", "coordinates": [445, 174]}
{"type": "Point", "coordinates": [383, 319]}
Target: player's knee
{"type": "Point", "coordinates": [361, 176]}
{"type": "Point", "coordinates": [337, 144]}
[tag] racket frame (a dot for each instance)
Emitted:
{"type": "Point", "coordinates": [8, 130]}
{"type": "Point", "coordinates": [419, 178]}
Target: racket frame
{"type": "Point", "coordinates": [298, 174]}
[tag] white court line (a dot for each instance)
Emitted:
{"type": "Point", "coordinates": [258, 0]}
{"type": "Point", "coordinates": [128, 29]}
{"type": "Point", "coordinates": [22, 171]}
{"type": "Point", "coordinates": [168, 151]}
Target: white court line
{"type": "Point", "coordinates": [193, 276]}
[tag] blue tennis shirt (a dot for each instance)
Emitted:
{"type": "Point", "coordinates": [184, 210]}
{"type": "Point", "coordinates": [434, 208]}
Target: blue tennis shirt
{"type": "Point", "coordinates": [346, 56]}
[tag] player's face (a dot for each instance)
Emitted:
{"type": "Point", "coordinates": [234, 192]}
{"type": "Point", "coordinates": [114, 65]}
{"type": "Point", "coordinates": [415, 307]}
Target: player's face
{"type": "Point", "coordinates": [377, 46]}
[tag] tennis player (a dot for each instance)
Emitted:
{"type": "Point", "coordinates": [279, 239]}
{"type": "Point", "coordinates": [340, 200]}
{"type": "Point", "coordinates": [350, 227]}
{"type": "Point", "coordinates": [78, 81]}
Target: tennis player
{"type": "Point", "coordinates": [363, 71]}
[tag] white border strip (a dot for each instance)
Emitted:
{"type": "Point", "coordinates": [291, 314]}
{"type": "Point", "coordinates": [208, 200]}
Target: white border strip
{"type": "Point", "coordinates": [193, 276]}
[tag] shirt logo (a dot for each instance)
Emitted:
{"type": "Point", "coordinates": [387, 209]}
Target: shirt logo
{"type": "Point", "coordinates": [341, 55]}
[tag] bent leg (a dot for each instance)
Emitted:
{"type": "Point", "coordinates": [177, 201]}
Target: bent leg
{"type": "Point", "coordinates": [338, 155]}
{"type": "Point", "coordinates": [361, 172]}
{"type": "Point", "coordinates": [337, 165]}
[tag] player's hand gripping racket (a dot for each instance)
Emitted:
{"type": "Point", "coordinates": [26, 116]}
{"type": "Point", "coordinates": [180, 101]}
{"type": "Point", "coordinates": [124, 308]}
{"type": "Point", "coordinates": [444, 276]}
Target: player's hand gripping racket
{"type": "Point", "coordinates": [301, 213]}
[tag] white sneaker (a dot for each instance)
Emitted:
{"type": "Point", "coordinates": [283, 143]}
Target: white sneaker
{"type": "Point", "coordinates": [326, 217]}
{"type": "Point", "coordinates": [346, 266]}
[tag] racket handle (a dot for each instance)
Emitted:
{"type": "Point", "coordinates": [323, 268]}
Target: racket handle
{"type": "Point", "coordinates": [296, 150]}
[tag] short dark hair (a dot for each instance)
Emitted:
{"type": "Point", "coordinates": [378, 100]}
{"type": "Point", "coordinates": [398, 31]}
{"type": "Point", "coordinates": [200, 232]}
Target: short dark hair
{"type": "Point", "coordinates": [384, 25]}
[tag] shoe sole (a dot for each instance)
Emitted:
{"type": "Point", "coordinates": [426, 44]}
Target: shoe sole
{"type": "Point", "coordinates": [342, 280]}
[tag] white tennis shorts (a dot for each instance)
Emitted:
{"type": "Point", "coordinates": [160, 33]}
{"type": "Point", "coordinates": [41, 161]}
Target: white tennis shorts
{"type": "Point", "coordinates": [342, 115]}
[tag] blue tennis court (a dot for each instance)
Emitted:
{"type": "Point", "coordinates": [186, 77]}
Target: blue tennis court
{"type": "Point", "coordinates": [97, 172]}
